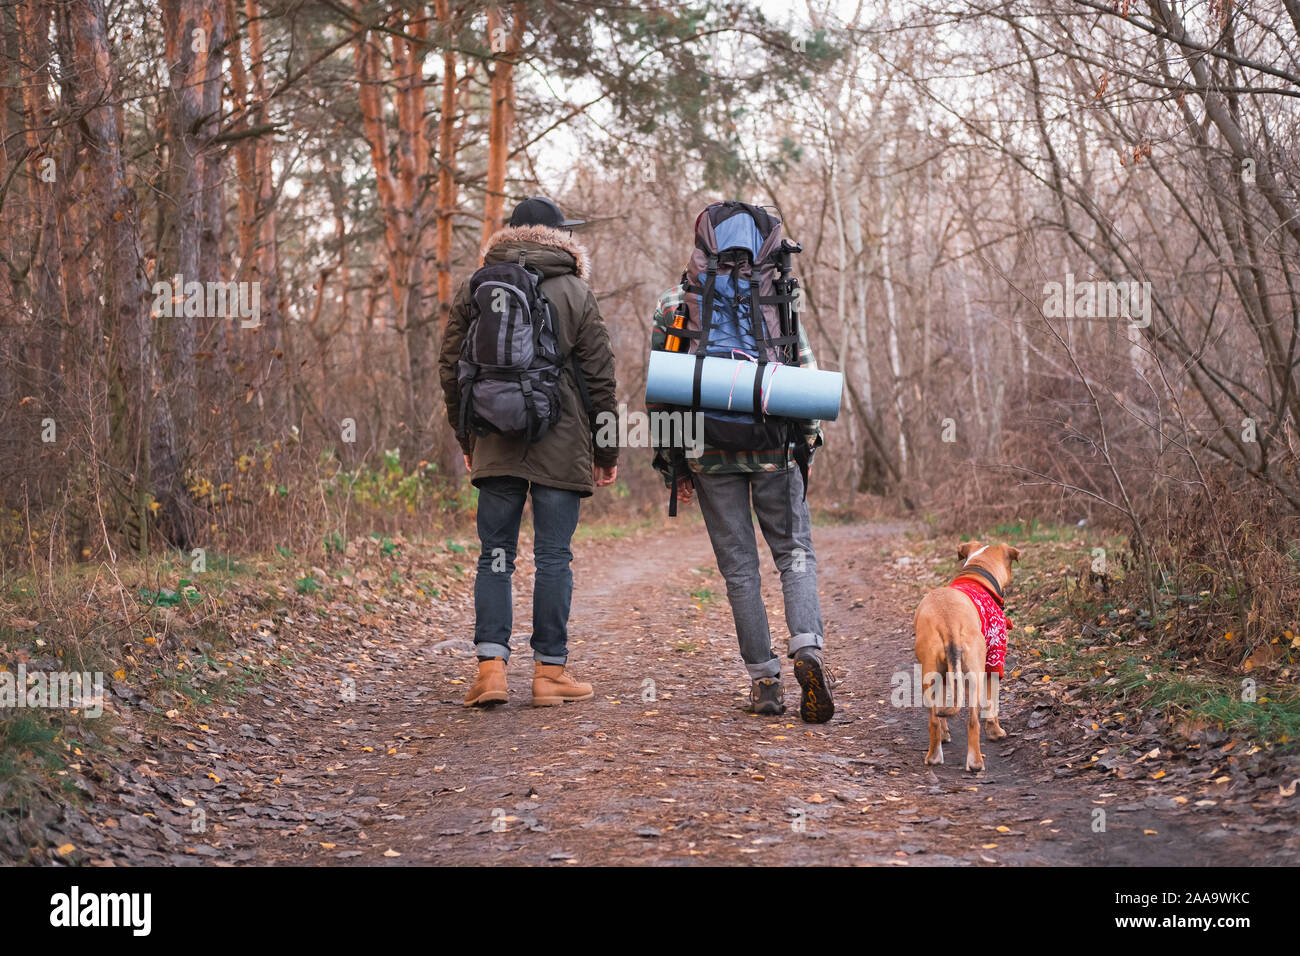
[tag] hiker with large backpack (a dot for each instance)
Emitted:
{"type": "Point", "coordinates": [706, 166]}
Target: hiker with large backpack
{"type": "Point", "coordinates": [526, 369]}
{"type": "Point", "coordinates": [737, 300]}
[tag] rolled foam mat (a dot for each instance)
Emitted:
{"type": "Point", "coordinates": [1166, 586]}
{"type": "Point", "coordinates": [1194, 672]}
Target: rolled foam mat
{"type": "Point", "coordinates": [728, 385]}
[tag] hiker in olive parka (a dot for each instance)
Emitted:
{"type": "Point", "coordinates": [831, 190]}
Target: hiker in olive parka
{"type": "Point", "coordinates": [558, 470]}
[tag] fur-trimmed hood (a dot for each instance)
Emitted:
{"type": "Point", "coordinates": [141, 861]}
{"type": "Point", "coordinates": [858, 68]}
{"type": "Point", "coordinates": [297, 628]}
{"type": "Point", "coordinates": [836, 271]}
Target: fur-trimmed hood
{"type": "Point", "coordinates": [552, 251]}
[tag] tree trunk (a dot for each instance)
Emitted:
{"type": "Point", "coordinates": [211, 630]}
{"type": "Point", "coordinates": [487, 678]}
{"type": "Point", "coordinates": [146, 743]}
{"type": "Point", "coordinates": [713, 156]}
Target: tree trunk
{"type": "Point", "coordinates": [269, 334]}
{"type": "Point", "coordinates": [213, 355]}
{"type": "Point", "coordinates": [146, 435]}
{"type": "Point", "coordinates": [402, 200]}
{"type": "Point", "coordinates": [181, 264]}
{"type": "Point", "coordinates": [891, 313]}
{"type": "Point", "coordinates": [416, 323]}
{"type": "Point", "coordinates": [505, 45]}
{"type": "Point", "coordinates": [43, 292]}
{"type": "Point", "coordinates": [448, 135]}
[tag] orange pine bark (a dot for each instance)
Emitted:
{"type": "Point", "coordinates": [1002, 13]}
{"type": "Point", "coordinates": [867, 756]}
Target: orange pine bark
{"type": "Point", "coordinates": [401, 186]}
{"type": "Point", "coordinates": [505, 46]}
{"type": "Point", "coordinates": [447, 146]}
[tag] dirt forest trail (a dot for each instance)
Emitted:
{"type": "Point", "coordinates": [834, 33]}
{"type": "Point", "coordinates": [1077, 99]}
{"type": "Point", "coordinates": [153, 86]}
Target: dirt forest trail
{"type": "Point", "coordinates": [662, 766]}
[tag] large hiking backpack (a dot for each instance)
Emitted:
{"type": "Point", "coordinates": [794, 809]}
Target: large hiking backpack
{"type": "Point", "coordinates": [741, 304]}
{"type": "Point", "coordinates": [510, 363]}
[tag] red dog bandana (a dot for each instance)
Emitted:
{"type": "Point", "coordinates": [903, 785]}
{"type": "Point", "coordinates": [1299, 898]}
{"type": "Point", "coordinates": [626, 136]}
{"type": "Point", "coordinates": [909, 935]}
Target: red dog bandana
{"type": "Point", "coordinates": [993, 622]}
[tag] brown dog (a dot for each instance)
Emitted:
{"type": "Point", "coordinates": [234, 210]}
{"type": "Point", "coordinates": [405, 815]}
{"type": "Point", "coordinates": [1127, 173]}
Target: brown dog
{"type": "Point", "coordinates": [950, 646]}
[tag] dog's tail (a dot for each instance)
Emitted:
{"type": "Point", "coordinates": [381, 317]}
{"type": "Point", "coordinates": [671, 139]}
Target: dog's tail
{"type": "Point", "coordinates": [953, 683]}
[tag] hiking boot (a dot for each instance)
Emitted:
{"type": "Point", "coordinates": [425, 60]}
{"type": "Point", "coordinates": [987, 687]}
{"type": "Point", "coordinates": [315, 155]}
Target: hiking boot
{"type": "Point", "coordinates": [816, 706]}
{"type": "Point", "coordinates": [765, 696]}
{"type": "Point", "coordinates": [489, 688]}
{"type": "Point", "coordinates": [552, 686]}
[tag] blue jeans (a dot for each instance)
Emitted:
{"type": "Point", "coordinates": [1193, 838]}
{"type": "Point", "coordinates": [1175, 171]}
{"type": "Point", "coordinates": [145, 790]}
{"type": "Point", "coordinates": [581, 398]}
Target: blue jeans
{"type": "Point", "coordinates": [555, 516]}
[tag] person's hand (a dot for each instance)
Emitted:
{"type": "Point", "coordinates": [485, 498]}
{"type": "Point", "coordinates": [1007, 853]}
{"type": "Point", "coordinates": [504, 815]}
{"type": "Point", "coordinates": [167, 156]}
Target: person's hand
{"type": "Point", "coordinates": [685, 490]}
{"type": "Point", "coordinates": [469, 466]}
{"type": "Point", "coordinates": [604, 476]}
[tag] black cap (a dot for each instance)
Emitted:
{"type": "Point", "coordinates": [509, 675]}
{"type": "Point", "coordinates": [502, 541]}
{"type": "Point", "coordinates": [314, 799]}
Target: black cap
{"type": "Point", "coordinates": [540, 211]}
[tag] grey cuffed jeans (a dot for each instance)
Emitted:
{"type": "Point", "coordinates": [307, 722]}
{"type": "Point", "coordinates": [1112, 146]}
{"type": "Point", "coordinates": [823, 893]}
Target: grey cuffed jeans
{"type": "Point", "coordinates": [782, 513]}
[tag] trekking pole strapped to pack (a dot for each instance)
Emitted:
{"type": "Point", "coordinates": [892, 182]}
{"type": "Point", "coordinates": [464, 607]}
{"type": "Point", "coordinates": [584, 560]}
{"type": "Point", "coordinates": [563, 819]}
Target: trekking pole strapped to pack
{"type": "Point", "coordinates": [787, 288]}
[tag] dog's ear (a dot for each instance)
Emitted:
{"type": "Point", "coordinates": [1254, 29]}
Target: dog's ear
{"type": "Point", "coordinates": [1013, 554]}
{"type": "Point", "coordinates": [965, 548]}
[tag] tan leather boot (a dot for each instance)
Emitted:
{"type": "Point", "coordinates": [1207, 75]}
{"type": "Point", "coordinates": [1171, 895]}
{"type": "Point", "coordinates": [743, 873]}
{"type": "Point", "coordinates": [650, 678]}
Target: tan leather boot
{"type": "Point", "coordinates": [490, 686]}
{"type": "Point", "coordinates": [552, 686]}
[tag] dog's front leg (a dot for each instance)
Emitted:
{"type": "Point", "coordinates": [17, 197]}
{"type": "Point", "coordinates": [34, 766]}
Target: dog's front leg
{"type": "Point", "coordinates": [935, 753]}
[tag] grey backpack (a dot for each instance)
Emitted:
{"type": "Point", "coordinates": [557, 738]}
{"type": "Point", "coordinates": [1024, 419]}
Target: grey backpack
{"type": "Point", "coordinates": [510, 363]}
